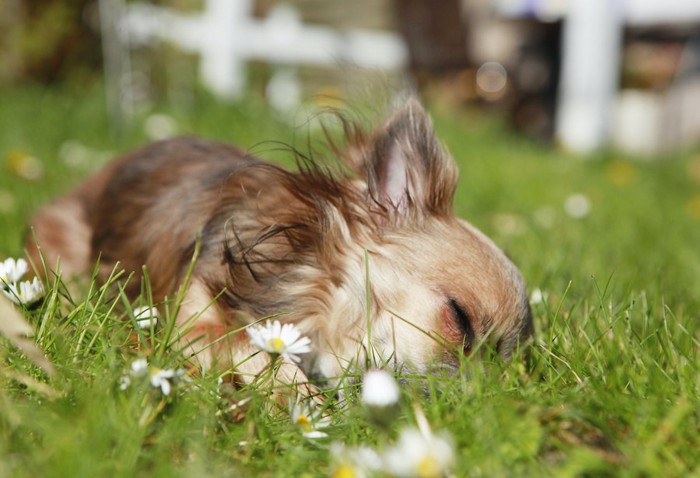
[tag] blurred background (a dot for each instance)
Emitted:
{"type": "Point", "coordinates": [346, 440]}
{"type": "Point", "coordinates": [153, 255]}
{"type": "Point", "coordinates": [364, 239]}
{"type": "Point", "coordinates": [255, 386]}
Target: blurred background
{"type": "Point", "coordinates": [582, 74]}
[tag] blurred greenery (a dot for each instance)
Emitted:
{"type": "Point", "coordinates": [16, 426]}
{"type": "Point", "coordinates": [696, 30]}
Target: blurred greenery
{"type": "Point", "coordinates": [49, 41]}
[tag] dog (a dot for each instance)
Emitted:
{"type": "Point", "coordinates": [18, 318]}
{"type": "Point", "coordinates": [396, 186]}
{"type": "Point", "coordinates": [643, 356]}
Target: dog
{"type": "Point", "coordinates": [363, 253]}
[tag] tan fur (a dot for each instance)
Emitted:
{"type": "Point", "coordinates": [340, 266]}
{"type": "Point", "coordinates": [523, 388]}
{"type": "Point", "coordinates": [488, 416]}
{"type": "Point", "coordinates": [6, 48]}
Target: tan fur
{"type": "Point", "coordinates": [301, 244]}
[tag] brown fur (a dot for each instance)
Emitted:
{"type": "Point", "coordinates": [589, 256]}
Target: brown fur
{"type": "Point", "coordinates": [275, 241]}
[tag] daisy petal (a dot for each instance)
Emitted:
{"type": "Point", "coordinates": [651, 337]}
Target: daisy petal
{"type": "Point", "coordinates": [277, 339]}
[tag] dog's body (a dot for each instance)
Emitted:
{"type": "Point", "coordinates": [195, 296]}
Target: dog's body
{"type": "Point", "coordinates": [303, 244]}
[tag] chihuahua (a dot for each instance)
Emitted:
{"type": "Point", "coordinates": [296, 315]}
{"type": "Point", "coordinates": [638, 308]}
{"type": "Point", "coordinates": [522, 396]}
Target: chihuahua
{"type": "Point", "coordinates": [363, 253]}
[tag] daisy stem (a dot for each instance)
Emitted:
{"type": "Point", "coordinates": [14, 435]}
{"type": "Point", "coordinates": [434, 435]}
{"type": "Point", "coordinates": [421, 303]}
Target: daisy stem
{"type": "Point", "coordinates": [273, 367]}
{"type": "Point", "coordinates": [150, 412]}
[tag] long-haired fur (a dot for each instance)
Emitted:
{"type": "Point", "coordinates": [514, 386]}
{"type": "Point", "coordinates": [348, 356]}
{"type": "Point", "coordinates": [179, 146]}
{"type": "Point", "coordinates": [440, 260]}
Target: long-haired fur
{"type": "Point", "coordinates": [302, 243]}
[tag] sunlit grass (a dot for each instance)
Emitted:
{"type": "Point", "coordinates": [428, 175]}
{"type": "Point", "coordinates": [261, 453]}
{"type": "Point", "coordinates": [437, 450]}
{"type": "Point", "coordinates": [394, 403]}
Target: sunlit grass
{"type": "Point", "coordinates": [611, 385]}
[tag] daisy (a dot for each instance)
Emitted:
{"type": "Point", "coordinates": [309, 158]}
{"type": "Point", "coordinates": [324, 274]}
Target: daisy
{"type": "Point", "coordinates": [124, 382]}
{"type": "Point", "coordinates": [277, 339]}
{"type": "Point", "coordinates": [380, 396]}
{"type": "Point", "coordinates": [12, 270]}
{"type": "Point", "coordinates": [420, 455]}
{"type": "Point", "coordinates": [308, 420]}
{"type": "Point", "coordinates": [353, 462]}
{"type": "Point", "coordinates": [142, 372]}
{"type": "Point", "coordinates": [139, 367]}
{"type": "Point", "coordinates": [577, 206]}
{"type": "Point", "coordinates": [379, 389]}
{"type": "Point", "coordinates": [160, 378]}
{"type": "Point", "coordinates": [146, 317]}
{"type": "Point", "coordinates": [25, 292]}
{"type": "Point", "coordinates": [538, 296]}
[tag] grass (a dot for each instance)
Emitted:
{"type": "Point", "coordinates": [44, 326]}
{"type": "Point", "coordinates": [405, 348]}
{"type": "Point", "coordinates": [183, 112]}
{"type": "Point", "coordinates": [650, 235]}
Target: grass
{"type": "Point", "coordinates": [611, 388]}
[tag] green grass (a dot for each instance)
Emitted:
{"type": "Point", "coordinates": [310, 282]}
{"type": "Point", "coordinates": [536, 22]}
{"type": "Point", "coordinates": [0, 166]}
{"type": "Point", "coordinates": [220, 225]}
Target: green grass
{"type": "Point", "coordinates": [613, 382]}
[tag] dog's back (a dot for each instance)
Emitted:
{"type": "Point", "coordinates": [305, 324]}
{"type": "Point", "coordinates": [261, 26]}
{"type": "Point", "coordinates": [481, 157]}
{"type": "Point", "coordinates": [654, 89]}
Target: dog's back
{"type": "Point", "coordinates": [146, 208]}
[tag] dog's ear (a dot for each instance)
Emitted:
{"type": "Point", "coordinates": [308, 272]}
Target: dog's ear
{"type": "Point", "coordinates": [408, 172]}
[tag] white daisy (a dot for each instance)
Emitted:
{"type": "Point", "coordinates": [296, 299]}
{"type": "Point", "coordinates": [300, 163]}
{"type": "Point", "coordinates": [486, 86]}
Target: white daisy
{"type": "Point", "coordinates": [25, 292]}
{"type": "Point", "coordinates": [139, 367]}
{"type": "Point", "coordinates": [538, 296]}
{"type": "Point", "coordinates": [146, 317]}
{"type": "Point", "coordinates": [379, 389]}
{"type": "Point", "coordinates": [124, 382]}
{"type": "Point", "coordinates": [308, 419]}
{"type": "Point", "coordinates": [419, 455]}
{"type": "Point", "coordinates": [577, 206]}
{"type": "Point", "coordinates": [277, 339]}
{"type": "Point", "coordinates": [12, 270]}
{"type": "Point", "coordinates": [160, 378]}
{"type": "Point", "coordinates": [142, 372]}
{"type": "Point", "coordinates": [354, 462]}
{"type": "Point", "coordinates": [160, 126]}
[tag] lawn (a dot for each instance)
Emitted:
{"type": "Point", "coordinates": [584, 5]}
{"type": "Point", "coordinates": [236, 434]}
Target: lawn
{"type": "Point", "coordinates": [609, 246]}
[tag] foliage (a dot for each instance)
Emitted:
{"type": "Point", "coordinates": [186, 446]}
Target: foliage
{"type": "Point", "coordinates": [49, 41]}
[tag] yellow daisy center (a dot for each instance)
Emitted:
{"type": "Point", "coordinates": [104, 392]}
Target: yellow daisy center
{"type": "Point", "coordinates": [305, 423]}
{"type": "Point", "coordinates": [275, 343]}
{"type": "Point", "coordinates": [428, 467]}
{"type": "Point", "coordinates": [344, 471]}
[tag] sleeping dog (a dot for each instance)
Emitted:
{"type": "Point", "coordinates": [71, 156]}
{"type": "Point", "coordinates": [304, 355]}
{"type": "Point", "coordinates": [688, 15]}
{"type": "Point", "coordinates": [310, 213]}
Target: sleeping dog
{"type": "Point", "coordinates": [367, 255]}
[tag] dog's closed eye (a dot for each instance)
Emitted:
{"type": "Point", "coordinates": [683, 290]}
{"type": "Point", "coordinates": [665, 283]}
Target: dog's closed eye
{"type": "Point", "coordinates": [461, 317]}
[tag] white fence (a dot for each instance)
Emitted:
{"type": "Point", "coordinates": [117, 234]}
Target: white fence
{"type": "Point", "coordinates": [591, 56]}
{"type": "Point", "coordinates": [225, 35]}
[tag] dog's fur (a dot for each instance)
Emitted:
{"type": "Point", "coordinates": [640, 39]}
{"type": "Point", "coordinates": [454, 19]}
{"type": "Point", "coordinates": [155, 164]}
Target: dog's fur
{"type": "Point", "coordinates": [304, 244]}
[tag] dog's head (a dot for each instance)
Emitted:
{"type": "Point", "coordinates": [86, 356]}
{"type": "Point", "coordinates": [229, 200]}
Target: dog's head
{"type": "Point", "coordinates": [377, 261]}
